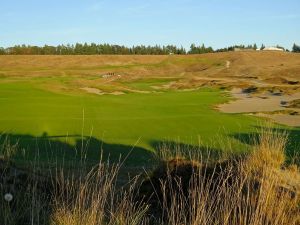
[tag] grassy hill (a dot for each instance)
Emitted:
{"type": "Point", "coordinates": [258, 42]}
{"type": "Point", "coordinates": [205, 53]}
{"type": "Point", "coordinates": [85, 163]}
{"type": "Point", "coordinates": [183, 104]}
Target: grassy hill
{"type": "Point", "coordinates": [124, 101]}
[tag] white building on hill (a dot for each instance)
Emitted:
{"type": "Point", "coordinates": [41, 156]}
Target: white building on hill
{"type": "Point", "coordinates": [273, 49]}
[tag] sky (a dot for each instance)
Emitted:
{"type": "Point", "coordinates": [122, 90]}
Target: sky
{"type": "Point", "coordinates": [216, 23]}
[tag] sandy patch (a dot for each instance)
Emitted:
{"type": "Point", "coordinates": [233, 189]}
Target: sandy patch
{"type": "Point", "coordinates": [286, 119]}
{"type": "Point", "coordinates": [117, 93]}
{"type": "Point", "coordinates": [92, 90]}
{"type": "Point", "coordinates": [164, 86]}
{"type": "Point", "coordinates": [228, 64]}
{"type": "Point", "coordinates": [99, 92]}
{"type": "Point", "coordinates": [267, 102]}
{"type": "Point", "coordinates": [246, 103]}
{"type": "Point", "coordinates": [168, 85]}
{"type": "Point", "coordinates": [137, 91]}
{"type": "Point", "coordinates": [140, 91]}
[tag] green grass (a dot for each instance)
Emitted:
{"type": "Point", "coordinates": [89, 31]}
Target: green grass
{"type": "Point", "coordinates": [58, 126]}
{"type": "Point", "coordinates": [144, 119]}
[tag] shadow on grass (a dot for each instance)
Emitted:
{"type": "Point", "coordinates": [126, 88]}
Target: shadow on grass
{"type": "Point", "coordinates": [293, 144]}
{"type": "Point", "coordinates": [37, 157]}
{"type": "Point", "coordinates": [56, 150]}
{"type": "Point", "coordinates": [171, 149]}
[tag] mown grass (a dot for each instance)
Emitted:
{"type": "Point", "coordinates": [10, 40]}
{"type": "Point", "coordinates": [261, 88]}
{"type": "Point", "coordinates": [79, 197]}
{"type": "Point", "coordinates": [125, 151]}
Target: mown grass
{"type": "Point", "coordinates": [179, 116]}
{"type": "Point", "coordinates": [40, 98]}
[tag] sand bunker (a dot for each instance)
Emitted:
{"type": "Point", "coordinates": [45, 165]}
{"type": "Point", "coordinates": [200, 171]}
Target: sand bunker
{"type": "Point", "coordinates": [286, 119]}
{"type": "Point", "coordinates": [117, 93]}
{"type": "Point", "coordinates": [99, 92]}
{"type": "Point", "coordinates": [92, 90]}
{"type": "Point", "coordinates": [263, 104]}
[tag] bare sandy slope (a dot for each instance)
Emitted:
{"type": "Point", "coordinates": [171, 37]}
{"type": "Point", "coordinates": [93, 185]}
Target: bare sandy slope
{"type": "Point", "coordinates": [273, 106]}
{"type": "Point", "coordinates": [265, 102]}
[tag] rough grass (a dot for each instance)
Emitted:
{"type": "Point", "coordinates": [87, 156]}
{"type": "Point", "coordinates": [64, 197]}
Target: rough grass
{"type": "Point", "coordinates": [294, 104]}
{"type": "Point", "coordinates": [241, 191]}
{"type": "Point", "coordinates": [262, 65]}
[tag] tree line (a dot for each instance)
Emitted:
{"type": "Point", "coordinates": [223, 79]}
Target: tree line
{"type": "Point", "coordinates": [231, 48]}
{"type": "Point", "coordinates": [92, 49]}
{"type": "Point", "coordinates": [102, 49]}
{"type": "Point", "coordinates": [108, 49]}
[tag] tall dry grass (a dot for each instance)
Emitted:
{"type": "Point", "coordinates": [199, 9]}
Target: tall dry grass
{"type": "Point", "coordinates": [256, 189]}
{"type": "Point", "coordinates": [95, 199]}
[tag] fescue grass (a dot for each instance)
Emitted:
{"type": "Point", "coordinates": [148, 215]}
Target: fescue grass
{"type": "Point", "coordinates": [251, 189]}
{"type": "Point", "coordinates": [94, 199]}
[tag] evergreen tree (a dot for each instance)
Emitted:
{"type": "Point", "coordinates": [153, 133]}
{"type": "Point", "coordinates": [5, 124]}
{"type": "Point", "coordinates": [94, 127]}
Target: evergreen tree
{"type": "Point", "coordinates": [2, 51]}
{"type": "Point", "coordinates": [100, 49]}
{"type": "Point", "coordinates": [296, 48]}
{"type": "Point", "coordinates": [199, 49]}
